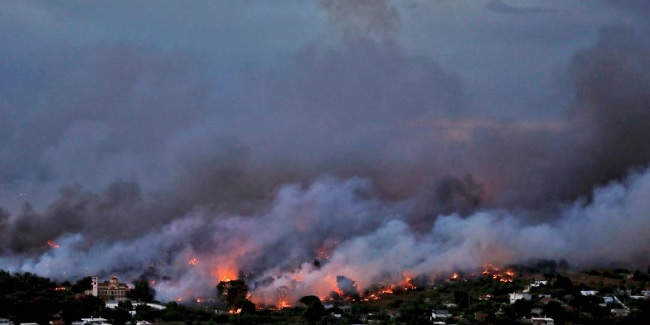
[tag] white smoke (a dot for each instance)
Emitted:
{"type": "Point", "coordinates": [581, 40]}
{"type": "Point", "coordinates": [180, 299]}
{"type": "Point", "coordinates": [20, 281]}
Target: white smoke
{"type": "Point", "coordinates": [369, 242]}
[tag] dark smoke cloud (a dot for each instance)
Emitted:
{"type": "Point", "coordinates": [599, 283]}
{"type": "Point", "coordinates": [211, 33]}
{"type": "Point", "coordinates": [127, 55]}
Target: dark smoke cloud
{"type": "Point", "coordinates": [447, 195]}
{"type": "Point", "coordinates": [612, 84]}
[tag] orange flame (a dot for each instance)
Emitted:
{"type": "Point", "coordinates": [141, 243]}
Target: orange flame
{"type": "Point", "coordinates": [407, 282]}
{"type": "Point", "coordinates": [493, 272]}
{"type": "Point", "coordinates": [225, 272]}
{"type": "Point", "coordinates": [52, 244]}
{"type": "Point", "coordinates": [192, 261]}
{"type": "Point", "coordinates": [377, 293]}
{"type": "Point", "coordinates": [388, 290]}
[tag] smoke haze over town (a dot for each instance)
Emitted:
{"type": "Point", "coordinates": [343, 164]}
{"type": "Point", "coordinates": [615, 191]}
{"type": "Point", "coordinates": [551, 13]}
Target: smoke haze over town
{"type": "Point", "coordinates": [305, 145]}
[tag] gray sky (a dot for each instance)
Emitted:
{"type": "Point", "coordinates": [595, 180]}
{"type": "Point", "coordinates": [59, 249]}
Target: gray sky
{"type": "Point", "coordinates": [121, 119]}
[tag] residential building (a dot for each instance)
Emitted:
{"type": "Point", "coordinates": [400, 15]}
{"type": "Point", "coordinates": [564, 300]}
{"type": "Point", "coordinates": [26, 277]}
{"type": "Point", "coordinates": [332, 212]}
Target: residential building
{"type": "Point", "coordinates": [4, 321]}
{"type": "Point", "coordinates": [519, 295]}
{"type": "Point", "coordinates": [542, 321]}
{"type": "Point", "coordinates": [440, 314]}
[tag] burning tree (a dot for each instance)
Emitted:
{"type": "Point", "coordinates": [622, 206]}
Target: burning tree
{"type": "Point", "coordinates": [234, 294]}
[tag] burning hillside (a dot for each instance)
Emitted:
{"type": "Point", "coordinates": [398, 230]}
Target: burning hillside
{"type": "Point", "coordinates": [374, 252]}
{"type": "Point", "coordinates": [344, 289]}
{"type": "Point", "coordinates": [367, 153]}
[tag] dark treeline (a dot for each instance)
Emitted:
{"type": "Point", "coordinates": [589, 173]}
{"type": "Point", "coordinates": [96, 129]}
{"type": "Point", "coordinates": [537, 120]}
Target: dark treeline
{"type": "Point", "coordinates": [29, 298]}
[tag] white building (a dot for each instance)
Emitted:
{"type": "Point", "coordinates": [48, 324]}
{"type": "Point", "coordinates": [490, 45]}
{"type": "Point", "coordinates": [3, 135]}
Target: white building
{"type": "Point", "coordinates": [115, 304]}
{"type": "Point", "coordinates": [4, 321]}
{"type": "Point", "coordinates": [519, 295]}
{"type": "Point", "coordinates": [620, 312]}
{"type": "Point", "coordinates": [536, 284]}
{"type": "Point", "coordinates": [92, 321]}
{"type": "Point", "coordinates": [440, 314]}
{"type": "Point", "coordinates": [542, 321]}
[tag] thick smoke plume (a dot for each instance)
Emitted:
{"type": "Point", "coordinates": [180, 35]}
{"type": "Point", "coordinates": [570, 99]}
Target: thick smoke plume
{"type": "Point", "coordinates": [356, 237]}
{"type": "Point", "coordinates": [352, 162]}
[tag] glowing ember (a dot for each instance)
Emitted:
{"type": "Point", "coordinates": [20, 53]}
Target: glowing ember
{"type": "Point", "coordinates": [325, 252]}
{"type": "Point", "coordinates": [454, 277]}
{"type": "Point", "coordinates": [59, 289]}
{"type": "Point", "coordinates": [235, 311]}
{"type": "Point", "coordinates": [495, 274]}
{"type": "Point", "coordinates": [52, 244]}
{"type": "Point", "coordinates": [179, 299]}
{"type": "Point", "coordinates": [192, 261]}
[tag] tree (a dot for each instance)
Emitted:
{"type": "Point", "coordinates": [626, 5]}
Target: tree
{"type": "Point", "coordinates": [554, 309]}
{"type": "Point", "coordinates": [82, 285]}
{"type": "Point", "coordinates": [522, 308]}
{"type": "Point", "coordinates": [414, 312]}
{"type": "Point", "coordinates": [141, 291]}
{"type": "Point", "coordinates": [563, 283]}
{"type": "Point", "coordinates": [314, 308]}
{"type": "Point", "coordinates": [118, 316]}
{"type": "Point", "coordinates": [233, 294]}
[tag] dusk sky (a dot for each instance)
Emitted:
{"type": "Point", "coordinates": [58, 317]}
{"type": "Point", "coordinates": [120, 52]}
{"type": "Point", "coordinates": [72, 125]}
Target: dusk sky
{"type": "Point", "coordinates": [376, 136]}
